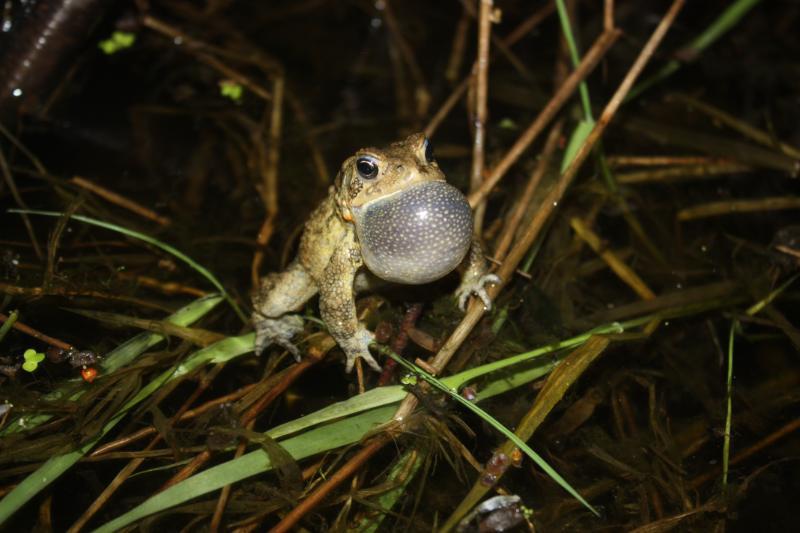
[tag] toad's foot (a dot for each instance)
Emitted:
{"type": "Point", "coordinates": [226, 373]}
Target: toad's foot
{"type": "Point", "coordinates": [277, 331]}
{"type": "Point", "coordinates": [476, 287]}
{"type": "Point", "coordinates": [358, 346]}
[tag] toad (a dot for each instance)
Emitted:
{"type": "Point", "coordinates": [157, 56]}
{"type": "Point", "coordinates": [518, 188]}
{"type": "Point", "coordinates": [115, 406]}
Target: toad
{"type": "Point", "coordinates": [390, 215]}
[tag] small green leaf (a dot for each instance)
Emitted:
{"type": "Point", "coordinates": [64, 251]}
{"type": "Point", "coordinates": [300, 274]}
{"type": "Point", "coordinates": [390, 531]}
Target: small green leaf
{"type": "Point", "coordinates": [119, 40]}
{"type": "Point", "coordinates": [408, 379]}
{"type": "Point", "coordinates": [32, 360]}
{"type": "Point", "coordinates": [507, 124]}
{"type": "Point", "coordinates": [231, 89]}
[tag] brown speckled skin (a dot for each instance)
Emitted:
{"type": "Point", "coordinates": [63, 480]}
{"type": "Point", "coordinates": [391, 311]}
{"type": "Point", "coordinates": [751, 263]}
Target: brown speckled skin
{"type": "Point", "coordinates": [330, 256]}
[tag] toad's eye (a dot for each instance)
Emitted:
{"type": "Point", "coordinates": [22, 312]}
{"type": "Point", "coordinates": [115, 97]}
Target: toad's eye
{"type": "Point", "coordinates": [367, 168]}
{"type": "Point", "coordinates": [429, 158]}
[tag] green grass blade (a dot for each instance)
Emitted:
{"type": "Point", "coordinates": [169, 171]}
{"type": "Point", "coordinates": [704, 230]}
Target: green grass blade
{"type": "Point", "coordinates": [566, 28]}
{"type": "Point", "coordinates": [203, 271]}
{"type": "Point", "coordinates": [721, 25]}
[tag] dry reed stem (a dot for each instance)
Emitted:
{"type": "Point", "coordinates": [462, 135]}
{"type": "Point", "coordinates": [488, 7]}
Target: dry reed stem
{"type": "Point", "coordinates": [730, 207]}
{"type": "Point", "coordinates": [515, 217]}
{"type": "Point", "coordinates": [528, 24]}
{"type": "Point", "coordinates": [12, 187]}
{"type": "Point", "coordinates": [476, 310]}
{"type": "Point", "coordinates": [769, 440]}
{"type": "Point", "coordinates": [281, 381]}
{"type": "Point", "coordinates": [169, 287]}
{"type": "Point", "coordinates": [225, 493]}
{"type": "Point", "coordinates": [481, 76]}
{"type": "Point", "coordinates": [622, 270]}
{"type": "Point", "coordinates": [36, 334]}
{"type": "Point", "coordinates": [268, 166]}
{"type": "Point", "coordinates": [682, 172]}
{"type": "Point", "coordinates": [121, 201]}
{"type": "Point", "coordinates": [15, 290]}
{"type": "Point", "coordinates": [608, 15]}
{"type": "Point", "coordinates": [446, 107]}
{"type": "Point", "coordinates": [736, 124]}
{"type": "Point", "coordinates": [422, 96]}
{"type": "Point", "coordinates": [458, 47]}
{"type": "Point", "coordinates": [667, 160]}
{"type": "Point", "coordinates": [291, 519]}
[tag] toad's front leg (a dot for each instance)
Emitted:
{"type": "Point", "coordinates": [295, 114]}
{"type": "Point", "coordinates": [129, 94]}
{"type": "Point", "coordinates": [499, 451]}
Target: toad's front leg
{"type": "Point", "coordinates": [338, 307]}
{"type": "Point", "coordinates": [279, 294]}
{"type": "Point", "coordinates": [475, 278]}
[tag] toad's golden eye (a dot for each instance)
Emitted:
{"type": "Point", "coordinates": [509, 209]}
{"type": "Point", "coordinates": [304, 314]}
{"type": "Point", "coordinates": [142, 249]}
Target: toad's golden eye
{"type": "Point", "coordinates": [367, 168]}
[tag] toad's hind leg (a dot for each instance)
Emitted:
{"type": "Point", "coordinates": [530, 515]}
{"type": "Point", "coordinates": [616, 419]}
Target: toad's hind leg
{"type": "Point", "coordinates": [280, 294]}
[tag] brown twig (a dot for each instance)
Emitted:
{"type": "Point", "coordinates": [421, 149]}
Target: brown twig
{"type": "Point", "coordinates": [713, 209]}
{"type": "Point", "coordinates": [514, 218]}
{"type": "Point", "coordinates": [528, 24]}
{"type": "Point", "coordinates": [622, 270]}
{"type": "Point", "coordinates": [681, 172]}
{"type": "Point", "coordinates": [669, 160]}
{"type": "Point", "coordinates": [12, 186]}
{"type": "Point", "coordinates": [36, 334]}
{"type": "Point", "coordinates": [268, 164]}
{"type": "Point", "coordinates": [481, 76]}
{"type": "Point", "coordinates": [736, 124]}
{"type": "Point", "coordinates": [39, 291]}
{"type": "Point", "coordinates": [291, 519]}
{"type": "Point", "coordinates": [457, 49]}
{"type": "Point", "coordinates": [422, 96]}
{"type": "Point", "coordinates": [446, 107]}
{"type": "Point", "coordinates": [762, 444]}
{"type": "Point", "coordinates": [121, 201]}
{"type": "Point", "coordinates": [608, 15]}
{"type": "Point", "coordinates": [165, 287]}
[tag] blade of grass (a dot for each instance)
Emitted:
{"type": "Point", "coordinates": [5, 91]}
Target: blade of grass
{"type": "Point", "coordinates": [566, 28]}
{"type": "Point", "coordinates": [726, 20]}
{"type": "Point", "coordinates": [200, 269]}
